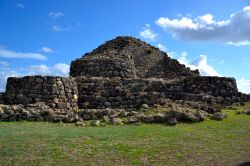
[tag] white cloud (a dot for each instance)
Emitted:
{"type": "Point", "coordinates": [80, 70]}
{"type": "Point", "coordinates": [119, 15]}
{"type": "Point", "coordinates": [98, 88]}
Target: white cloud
{"type": "Point", "coordinates": [200, 63]}
{"type": "Point", "coordinates": [204, 67]}
{"type": "Point", "coordinates": [62, 68]}
{"type": "Point", "coordinates": [183, 23]}
{"type": "Point", "coordinates": [57, 28]}
{"type": "Point", "coordinates": [4, 53]}
{"type": "Point", "coordinates": [55, 15]}
{"type": "Point", "coordinates": [162, 47]}
{"type": "Point", "coordinates": [207, 18]}
{"type": "Point", "coordinates": [244, 85]}
{"type": "Point", "coordinates": [183, 59]}
{"type": "Point", "coordinates": [38, 70]}
{"type": "Point", "coordinates": [59, 69]}
{"type": "Point", "coordinates": [241, 43]}
{"type": "Point", "coordinates": [247, 8]}
{"type": "Point", "coordinates": [147, 33]}
{"type": "Point", "coordinates": [20, 5]}
{"type": "Point", "coordinates": [234, 31]}
{"type": "Point", "coordinates": [172, 54]}
{"type": "Point", "coordinates": [46, 50]}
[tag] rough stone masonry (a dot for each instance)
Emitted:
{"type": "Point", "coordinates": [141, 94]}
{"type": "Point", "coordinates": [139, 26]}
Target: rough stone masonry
{"type": "Point", "coordinates": [123, 73]}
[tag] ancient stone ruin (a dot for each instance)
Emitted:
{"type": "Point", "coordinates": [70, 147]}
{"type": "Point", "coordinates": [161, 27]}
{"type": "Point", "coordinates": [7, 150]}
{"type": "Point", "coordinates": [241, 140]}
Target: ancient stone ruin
{"type": "Point", "coordinates": [123, 74]}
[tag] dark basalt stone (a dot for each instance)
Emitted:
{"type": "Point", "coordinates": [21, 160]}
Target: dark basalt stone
{"type": "Point", "coordinates": [128, 57]}
{"type": "Point", "coordinates": [122, 74]}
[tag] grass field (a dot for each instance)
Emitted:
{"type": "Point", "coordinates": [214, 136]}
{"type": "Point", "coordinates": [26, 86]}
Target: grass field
{"type": "Point", "coordinates": [208, 143]}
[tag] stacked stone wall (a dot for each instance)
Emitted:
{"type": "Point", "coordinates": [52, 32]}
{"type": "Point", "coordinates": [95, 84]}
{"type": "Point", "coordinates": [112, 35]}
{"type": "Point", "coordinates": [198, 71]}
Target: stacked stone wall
{"type": "Point", "coordinates": [119, 93]}
{"type": "Point", "coordinates": [1, 98]}
{"type": "Point", "coordinates": [102, 67]}
{"type": "Point", "coordinates": [102, 92]}
{"type": "Point", "coordinates": [132, 93]}
{"type": "Point", "coordinates": [57, 92]}
{"type": "Point", "coordinates": [244, 97]}
{"type": "Point", "coordinates": [215, 86]}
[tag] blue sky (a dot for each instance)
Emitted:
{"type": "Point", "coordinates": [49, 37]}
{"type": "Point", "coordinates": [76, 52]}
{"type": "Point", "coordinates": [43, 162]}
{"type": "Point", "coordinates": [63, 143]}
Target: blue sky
{"type": "Point", "coordinates": [44, 36]}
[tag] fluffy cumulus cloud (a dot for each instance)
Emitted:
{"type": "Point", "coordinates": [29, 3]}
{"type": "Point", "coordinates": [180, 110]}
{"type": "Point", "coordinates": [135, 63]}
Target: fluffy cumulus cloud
{"type": "Point", "coordinates": [234, 30]}
{"type": "Point", "coordinates": [5, 53]}
{"type": "Point", "coordinates": [244, 85]}
{"type": "Point", "coordinates": [55, 15]}
{"type": "Point", "coordinates": [59, 69]}
{"type": "Point", "coordinates": [200, 63]}
{"type": "Point", "coordinates": [37, 70]}
{"type": "Point", "coordinates": [148, 34]}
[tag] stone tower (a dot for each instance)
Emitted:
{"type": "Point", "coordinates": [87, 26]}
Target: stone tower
{"type": "Point", "coordinates": [128, 57]}
{"type": "Point", "coordinates": [122, 73]}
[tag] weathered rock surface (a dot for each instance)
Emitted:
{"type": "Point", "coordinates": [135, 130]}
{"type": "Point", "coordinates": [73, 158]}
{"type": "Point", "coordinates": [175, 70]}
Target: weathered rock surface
{"type": "Point", "coordinates": [172, 121]}
{"type": "Point", "coordinates": [160, 117]}
{"type": "Point", "coordinates": [219, 116]}
{"type": "Point", "coordinates": [146, 118]}
{"type": "Point", "coordinates": [185, 114]}
{"type": "Point", "coordinates": [248, 112]}
{"type": "Point", "coordinates": [80, 124]}
{"type": "Point", "coordinates": [96, 123]}
{"type": "Point", "coordinates": [116, 121]}
{"type": "Point", "coordinates": [131, 120]}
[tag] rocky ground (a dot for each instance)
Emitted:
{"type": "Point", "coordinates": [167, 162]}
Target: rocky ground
{"type": "Point", "coordinates": [171, 114]}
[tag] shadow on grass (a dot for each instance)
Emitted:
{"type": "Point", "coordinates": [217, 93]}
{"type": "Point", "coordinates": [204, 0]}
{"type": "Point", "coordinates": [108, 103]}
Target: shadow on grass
{"type": "Point", "coordinates": [245, 164]}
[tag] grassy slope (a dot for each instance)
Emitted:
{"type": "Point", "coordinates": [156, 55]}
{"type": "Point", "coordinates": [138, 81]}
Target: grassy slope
{"type": "Point", "coordinates": [206, 143]}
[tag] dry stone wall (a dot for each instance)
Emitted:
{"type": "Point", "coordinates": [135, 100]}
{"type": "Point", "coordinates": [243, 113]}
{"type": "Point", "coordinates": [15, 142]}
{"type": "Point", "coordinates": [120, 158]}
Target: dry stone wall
{"type": "Point", "coordinates": [57, 92]}
{"type": "Point", "coordinates": [214, 86]}
{"type": "Point", "coordinates": [1, 98]}
{"type": "Point", "coordinates": [132, 93]}
{"type": "Point", "coordinates": [102, 67]}
{"type": "Point", "coordinates": [119, 93]}
{"type": "Point", "coordinates": [244, 97]}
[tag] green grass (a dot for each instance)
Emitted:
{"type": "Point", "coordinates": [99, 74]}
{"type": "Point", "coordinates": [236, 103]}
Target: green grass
{"type": "Point", "coordinates": [208, 143]}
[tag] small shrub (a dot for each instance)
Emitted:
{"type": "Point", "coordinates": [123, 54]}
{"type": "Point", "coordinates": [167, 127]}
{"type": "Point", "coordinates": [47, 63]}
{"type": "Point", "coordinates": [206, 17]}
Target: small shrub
{"type": "Point", "coordinates": [149, 51]}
